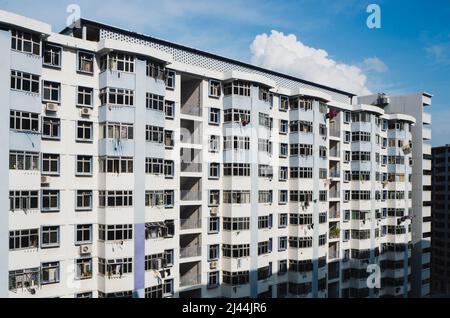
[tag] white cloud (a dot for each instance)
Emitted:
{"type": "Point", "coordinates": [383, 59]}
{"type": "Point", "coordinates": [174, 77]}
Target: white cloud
{"type": "Point", "coordinates": [375, 64]}
{"type": "Point", "coordinates": [287, 54]}
{"type": "Point", "coordinates": [439, 52]}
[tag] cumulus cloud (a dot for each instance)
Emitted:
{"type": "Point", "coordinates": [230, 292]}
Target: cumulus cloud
{"type": "Point", "coordinates": [287, 54]}
{"type": "Point", "coordinates": [375, 64]}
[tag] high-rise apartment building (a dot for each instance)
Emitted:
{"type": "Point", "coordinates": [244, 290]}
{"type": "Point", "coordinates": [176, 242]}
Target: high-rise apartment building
{"type": "Point", "coordinates": [440, 258]}
{"type": "Point", "coordinates": [142, 168]}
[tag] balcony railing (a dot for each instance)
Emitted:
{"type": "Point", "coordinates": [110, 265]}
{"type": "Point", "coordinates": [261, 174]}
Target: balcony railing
{"type": "Point", "coordinates": [333, 254]}
{"type": "Point", "coordinates": [191, 167]}
{"type": "Point", "coordinates": [193, 110]}
{"type": "Point", "coordinates": [190, 280]}
{"type": "Point", "coordinates": [189, 195]}
{"type": "Point", "coordinates": [335, 153]}
{"type": "Point", "coordinates": [190, 224]}
{"type": "Point", "coordinates": [335, 194]}
{"type": "Point", "coordinates": [335, 174]}
{"type": "Point", "coordinates": [334, 132]}
{"type": "Point", "coordinates": [335, 215]}
{"type": "Point", "coordinates": [190, 251]}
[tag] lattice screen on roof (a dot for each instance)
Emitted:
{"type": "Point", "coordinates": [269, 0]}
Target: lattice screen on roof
{"type": "Point", "coordinates": [209, 63]}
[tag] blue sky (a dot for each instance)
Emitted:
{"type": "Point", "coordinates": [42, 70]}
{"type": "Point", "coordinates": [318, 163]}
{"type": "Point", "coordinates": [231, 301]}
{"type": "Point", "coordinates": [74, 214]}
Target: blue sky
{"type": "Point", "coordinates": [410, 53]}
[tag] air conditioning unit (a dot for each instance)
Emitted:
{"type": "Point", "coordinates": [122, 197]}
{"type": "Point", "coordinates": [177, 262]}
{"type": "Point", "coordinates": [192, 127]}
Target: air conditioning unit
{"type": "Point", "coordinates": [51, 107]}
{"type": "Point", "coordinates": [86, 111]}
{"type": "Point", "coordinates": [213, 265]}
{"type": "Point", "coordinates": [45, 180]}
{"type": "Point", "coordinates": [85, 249]}
{"type": "Point", "coordinates": [214, 211]}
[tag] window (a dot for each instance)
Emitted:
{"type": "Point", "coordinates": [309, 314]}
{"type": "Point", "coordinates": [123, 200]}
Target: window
{"type": "Point", "coordinates": [52, 92]}
{"type": "Point", "coordinates": [169, 139]}
{"type": "Point", "coordinates": [169, 108]}
{"type": "Point", "coordinates": [23, 239]}
{"type": "Point", "coordinates": [284, 150]}
{"type": "Point", "coordinates": [85, 96]}
{"type": "Point", "coordinates": [265, 196]}
{"type": "Point", "coordinates": [263, 222]}
{"type": "Point", "coordinates": [347, 137]}
{"type": "Point", "coordinates": [154, 134]}
{"type": "Point", "coordinates": [50, 273]}
{"type": "Point", "coordinates": [84, 200]}
{"type": "Point", "coordinates": [264, 94]}
{"type": "Point", "coordinates": [214, 198]}
{"type": "Point", "coordinates": [303, 150]}
{"type": "Point", "coordinates": [236, 251]}
{"type": "Point", "coordinates": [52, 56]}
{"type": "Point", "coordinates": [214, 142]}
{"type": "Point", "coordinates": [159, 198]}
{"type": "Point", "coordinates": [265, 145]}
{"type": "Point", "coordinates": [236, 197]}
{"type": "Point", "coordinates": [154, 292]}
{"type": "Point", "coordinates": [236, 224]}
{"type": "Point", "coordinates": [213, 280]}
{"type": "Point", "coordinates": [213, 252]}
{"type": "Point", "coordinates": [284, 103]}
{"type": "Point", "coordinates": [283, 175]}
{"type": "Point", "coordinates": [25, 42]}
{"type": "Point", "coordinates": [265, 121]}
{"type": "Point", "coordinates": [322, 152]}
{"type": "Point", "coordinates": [283, 220]}
{"type": "Point", "coordinates": [23, 200]}
{"type": "Point", "coordinates": [84, 131]}
{"type": "Point", "coordinates": [234, 115]}
{"type": "Point", "coordinates": [169, 168]}
{"type": "Point", "coordinates": [50, 200]}
{"type": "Point", "coordinates": [170, 79]}
{"type": "Point", "coordinates": [213, 225]}
{"type": "Point", "coordinates": [117, 62]}
{"type": "Point", "coordinates": [116, 165]}
{"type": "Point", "coordinates": [347, 156]}
{"type": "Point", "coordinates": [84, 166]}
{"type": "Point", "coordinates": [116, 97]}
{"type": "Point", "coordinates": [236, 169]}
{"type": "Point", "coordinates": [236, 143]}
{"type": "Point", "coordinates": [154, 166]}
{"type": "Point", "coordinates": [85, 62]}
{"type": "Point", "coordinates": [51, 128]}
{"type": "Point", "coordinates": [50, 236]}
{"type": "Point", "coordinates": [214, 116]}
{"type": "Point", "coordinates": [284, 127]}
{"type": "Point", "coordinates": [214, 88]}
{"type": "Point", "coordinates": [301, 126]}
{"type": "Point", "coordinates": [115, 198]}
{"type": "Point", "coordinates": [265, 171]}
{"type": "Point", "coordinates": [214, 170]}
{"type": "Point", "coordinates": [23, 121]}
{"type": "Point", "coordinates": [119, 232]}
{"type": "Point", "coordinates": [283, 197]}
{"type": "Point", "coordinates": [155, 102]}
{"type": "Point", "coordinates": [301, 103]}
{"type": "Point", "coordinates": [83, 234]}
{"type": "Point", "coordinates": [84, 295]}
{"type": "Point", "coordinates": [263, 248]}
{"type": "Point", "coordinates": [115, 267]}
{"type": "Point", "coordinates": [237, 88]}
{"type": "Point", "coordinates": [347, 117]}
{"type": "Point", "coordinates": [117, 131]}
{"type": "Point", "coordinates": [26, 161]}
{"type": "Point", "coordinates": [282, 243]}
{"type": "Point", "coordinates": [83, 268]}
{"type": "Point", "coordinates": [25, 82]}
{"type": "Point", "coordinates": [168, 287]}
{"type": "Point", "coordinates": [236, 278]}
{"type": "Point", "coordinates": [155, 70]}
{"type": "Point", "coordinates": [50, 164]}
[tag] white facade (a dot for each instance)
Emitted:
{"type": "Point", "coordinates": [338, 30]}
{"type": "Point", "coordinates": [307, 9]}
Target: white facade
{"type": "Point", "coordinates": [142, 168]}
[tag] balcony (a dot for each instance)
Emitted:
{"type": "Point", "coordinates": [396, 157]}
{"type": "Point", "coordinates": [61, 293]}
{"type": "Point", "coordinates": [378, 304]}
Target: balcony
{"type": "Point", "coordinates": [190, 280]}
{"type": "Point", "coordinates": [191, 251]}
{"type": "Point", "coordinates": [426, 133]}
{"type": "Point", "coordinates": [191, 216]}
{"type": "Point", "coordinates": [191, 93]}
{"type": "Point", "coordinates": [426, 118]}
{"type": "Point", "coordinates": [190, 132]}
{"type": "Point", "coordinates": [188, 195]}
{"type": "Point", "coordinates": [190, 224]}
{"type": "Point", "coordinates": [334, 132]}
{"type": "Point", "coordinates": [191, 167]}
